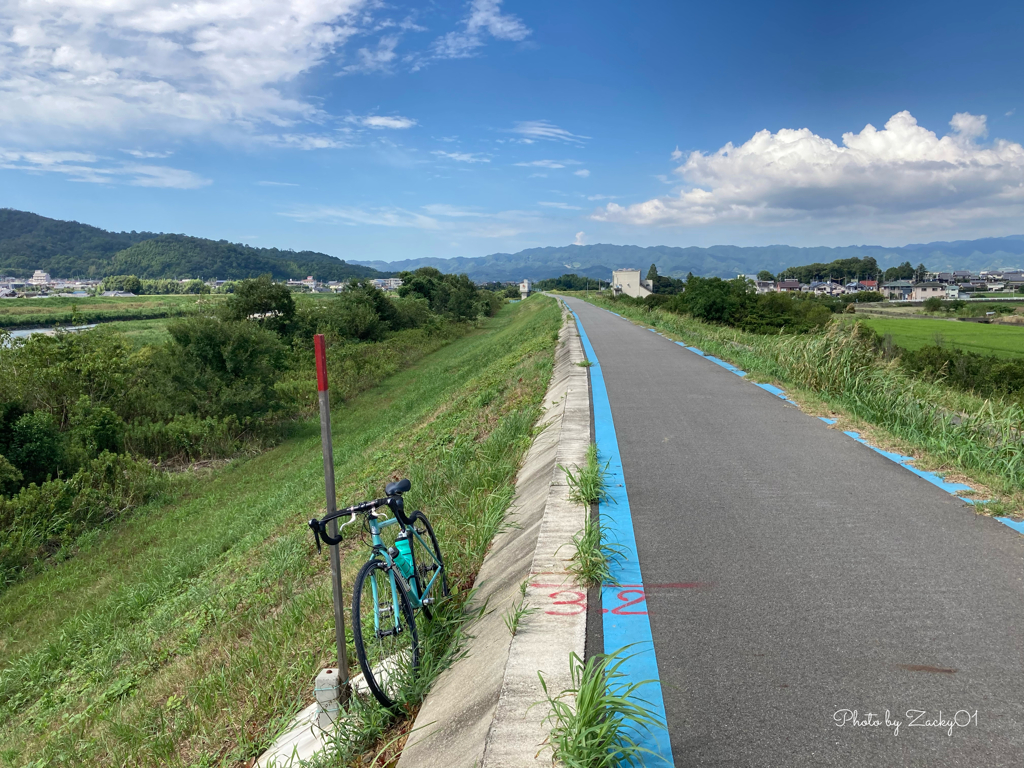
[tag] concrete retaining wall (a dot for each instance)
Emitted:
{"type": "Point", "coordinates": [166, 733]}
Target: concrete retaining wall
{"type": "Point", "coordinates": [479, 712]}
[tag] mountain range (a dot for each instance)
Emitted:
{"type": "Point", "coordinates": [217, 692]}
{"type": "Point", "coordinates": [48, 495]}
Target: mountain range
{"type": "Point", "coordinates": [68, 249]}
{"type": "Point", "coordinates": [718, 260]}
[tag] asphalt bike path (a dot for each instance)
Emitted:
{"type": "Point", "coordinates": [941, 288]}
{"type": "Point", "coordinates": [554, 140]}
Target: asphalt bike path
{"type": "Point", "coordinates": [811, 602]}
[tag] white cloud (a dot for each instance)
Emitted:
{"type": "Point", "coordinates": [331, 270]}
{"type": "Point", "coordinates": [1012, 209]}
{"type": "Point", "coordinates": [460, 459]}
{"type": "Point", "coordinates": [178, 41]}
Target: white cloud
{"type": "Point", "coordinates": [462, 157]}
{"type": "Point", "coordinates": [382, 217]}
{"type": "Point", "coordinates": [485, 18]}
{"type": "Point", "coordinates": [602, 197]}
{"type": "Point", "coordinates": [383, 121]}
{"type": "Point", "coordinates": [561, 206]}
{"type": "Point", "coordinates": [75, 68]}
{"type": "Point", "coordinates": [677, 154]}
{"type": "Point", "coordinates": [579, 239]}
{"type": "Point", "coordinates": [534, 130]}
{"type": "Point", "coordinates": [377, 59]}
{"type": "Point", "coordinates": [447, 219]}
{"type": "Point", "coordinates": [582, 173]}
{"type": "Point", "coordinates": [904, 174]}
{"type": "Point", "coordinates": [90, 168]}
{"type": "Point", "coordinates": [276, 184]}
{"type": "Point", "coordinates": [143, 155]}
{"type": "Point", "coordinates": [548, 163]}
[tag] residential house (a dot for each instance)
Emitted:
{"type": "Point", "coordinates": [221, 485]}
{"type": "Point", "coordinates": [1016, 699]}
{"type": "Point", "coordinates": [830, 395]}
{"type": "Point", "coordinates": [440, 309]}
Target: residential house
{"type": "Point", "coordinates": [952, 291]}
{"type": "Point", "coordinates": [924, 291]}
{"type": "Point", "coordinates": [764, 286]}
{"type": "Point", "coordinates": [788, 286]}
{"type": "Point", "coordinates": [628, 282]}
{"type": "Point", "coordinates": [961, 275]}
{"type": "Point", "coordinates": [898, 290]}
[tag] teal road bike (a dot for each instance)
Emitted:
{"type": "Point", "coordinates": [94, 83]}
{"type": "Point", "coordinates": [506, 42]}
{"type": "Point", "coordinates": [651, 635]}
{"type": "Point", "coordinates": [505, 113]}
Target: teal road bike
{"type": "Point", "coordinates": [403, 577]}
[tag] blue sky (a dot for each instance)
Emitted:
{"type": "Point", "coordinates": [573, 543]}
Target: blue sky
{"type": "Point", "coordinates": [373, 130]}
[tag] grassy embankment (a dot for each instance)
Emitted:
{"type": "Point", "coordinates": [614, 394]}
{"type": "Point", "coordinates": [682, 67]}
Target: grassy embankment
{"type": "Point", "coordinates": [189, 634]}
{"type": "Point", "coordinates": [31, 313]}
{"type": "Point", "coordinates": [833, 373]}
{"type": "Point", "coordinates": [985, 339]}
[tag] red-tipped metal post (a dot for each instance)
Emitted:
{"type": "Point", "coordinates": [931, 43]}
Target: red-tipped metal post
{"type": "Point", "coordinates": [332, 529]}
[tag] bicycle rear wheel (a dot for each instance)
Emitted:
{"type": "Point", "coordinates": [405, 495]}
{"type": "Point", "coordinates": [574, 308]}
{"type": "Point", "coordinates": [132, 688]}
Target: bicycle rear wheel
{"type": "Point", "coordinates": [384, 631]}
{"type": "Point", "coordinates": [427, 563]}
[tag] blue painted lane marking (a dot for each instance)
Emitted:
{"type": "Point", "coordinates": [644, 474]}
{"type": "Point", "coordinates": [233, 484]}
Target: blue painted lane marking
{"type": "Point", "coordinates": [624, 627]}
{"type": "Point", "coordinates": [827, 421]}
{"type": "Point", "coordinates": [1017, 525]}
{"type": "Point", "coordinates": [905, 462]}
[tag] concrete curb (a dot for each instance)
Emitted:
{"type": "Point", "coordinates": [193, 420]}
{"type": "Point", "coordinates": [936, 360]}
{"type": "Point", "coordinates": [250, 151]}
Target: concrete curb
{"type": "Point", "coordinates": [479, 712]}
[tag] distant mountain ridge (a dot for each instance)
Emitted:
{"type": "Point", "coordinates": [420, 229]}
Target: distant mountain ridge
{"type": "Point", "coordinates": [68, 249]}
{"type": "Point", "coordinates": [718, 260]}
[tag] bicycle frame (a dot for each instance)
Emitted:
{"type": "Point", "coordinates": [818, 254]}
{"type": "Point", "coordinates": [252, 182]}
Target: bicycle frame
{"type": "Point", "coordinates": [379, 548]}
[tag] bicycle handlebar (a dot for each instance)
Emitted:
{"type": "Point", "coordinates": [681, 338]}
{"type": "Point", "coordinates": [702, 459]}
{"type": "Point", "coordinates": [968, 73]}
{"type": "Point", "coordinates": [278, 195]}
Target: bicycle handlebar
{"type": "Point", "coordinates": [319, 527]}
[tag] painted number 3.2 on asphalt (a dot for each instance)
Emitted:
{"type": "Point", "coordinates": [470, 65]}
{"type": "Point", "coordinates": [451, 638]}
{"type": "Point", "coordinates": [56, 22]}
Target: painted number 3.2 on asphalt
{"type": "Point", "coordinates": [629, 600]}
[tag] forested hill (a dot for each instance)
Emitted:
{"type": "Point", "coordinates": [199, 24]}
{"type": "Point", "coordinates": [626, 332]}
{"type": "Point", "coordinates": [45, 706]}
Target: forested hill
{"type": "Point", "coordinates": [68, 249]}
{"type": "Point", "coordinates": [716, 261]}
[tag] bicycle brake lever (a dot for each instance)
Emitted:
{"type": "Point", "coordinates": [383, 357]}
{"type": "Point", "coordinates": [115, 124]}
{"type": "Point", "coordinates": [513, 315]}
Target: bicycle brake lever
{"type": "Point", "coordinates": [315, 525]}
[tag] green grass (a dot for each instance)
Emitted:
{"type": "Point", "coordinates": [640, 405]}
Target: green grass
{"type": "Point", "coordinates": [140, 332]}
{"type": "Point", "coordinates": [595, 722]}
{"type": "Point", "coordinates": [190, 634]}
{"type": "Point", "coordinates": [985, 339]}
{"type": "Point", "coordinates": [25, 313]}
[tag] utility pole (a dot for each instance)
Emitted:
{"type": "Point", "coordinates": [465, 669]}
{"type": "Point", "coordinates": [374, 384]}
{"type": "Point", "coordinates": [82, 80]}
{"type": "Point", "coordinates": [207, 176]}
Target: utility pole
{"type": "Point", "coordinates": [332, 527]}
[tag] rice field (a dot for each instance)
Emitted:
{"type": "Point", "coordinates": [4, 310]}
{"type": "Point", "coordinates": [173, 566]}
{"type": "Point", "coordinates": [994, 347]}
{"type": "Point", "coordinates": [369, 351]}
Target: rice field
{"type": "Point", "coordinates": [985, 339]}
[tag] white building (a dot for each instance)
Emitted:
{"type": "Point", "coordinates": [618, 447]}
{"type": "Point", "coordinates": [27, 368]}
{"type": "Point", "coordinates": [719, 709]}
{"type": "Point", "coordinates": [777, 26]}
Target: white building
{"type": "Point", "coordinates": [40, 278]}
{"type": "Point", "coordinates": [524, 289]}
{"type": "Point", "coordinates": [628, 281]}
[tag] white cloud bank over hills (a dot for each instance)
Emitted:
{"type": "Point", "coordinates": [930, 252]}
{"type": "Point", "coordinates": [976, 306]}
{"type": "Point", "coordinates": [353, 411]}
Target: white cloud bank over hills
{"type": "Point", "coordinates": [901, 176]}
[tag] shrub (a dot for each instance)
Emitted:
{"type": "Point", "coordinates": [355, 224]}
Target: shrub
{"type": "Point", "coordinates": [266, 302]}
{"type": "Point", "coordinates": [41, 519]}
{"type": "Point", "coordinates": [10, 477]}
{"type": "Point", "coordinates": [36, 447]}
{"type": "Point", "coordinates": [933, 304]}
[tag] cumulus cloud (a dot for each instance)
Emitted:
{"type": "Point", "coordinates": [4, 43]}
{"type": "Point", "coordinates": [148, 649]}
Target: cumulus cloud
{"type": "Point", "coordinates": [383, 121]}
{"type": "Point", "coordinates": [70, 67]}
{"type": "Point", "coordinates": [579, 239]}
{"type": "Point", "coordinates": [903, 172]}
{"type": "Point", "coordinates": [90, 168]}
{"type": "Point", "coordinates": [542, 130]}
{"type": "Point", "coordinates": [485, 18]}
{"type": "Point", "coordinates": [462, 157]}
{"type": "Point", "coordinates": [582, 173]}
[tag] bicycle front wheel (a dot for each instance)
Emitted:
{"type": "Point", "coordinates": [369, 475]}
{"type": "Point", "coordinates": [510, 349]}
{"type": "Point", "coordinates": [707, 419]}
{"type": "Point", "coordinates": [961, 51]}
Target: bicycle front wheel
{"type": "Point", "coordinates": [384, 631]}
{"type": "Point", "coordinates": [428, 563]}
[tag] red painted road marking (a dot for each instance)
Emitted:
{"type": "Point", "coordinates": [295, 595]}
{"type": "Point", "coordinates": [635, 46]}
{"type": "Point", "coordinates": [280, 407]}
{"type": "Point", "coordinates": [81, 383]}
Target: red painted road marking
{"type": "Point", "coordinates": [619, 610]}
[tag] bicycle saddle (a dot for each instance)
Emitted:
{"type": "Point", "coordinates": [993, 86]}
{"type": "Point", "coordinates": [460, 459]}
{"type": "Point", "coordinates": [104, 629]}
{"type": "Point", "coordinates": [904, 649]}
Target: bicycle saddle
{"type": "Point", "coordinates": [397, 489]}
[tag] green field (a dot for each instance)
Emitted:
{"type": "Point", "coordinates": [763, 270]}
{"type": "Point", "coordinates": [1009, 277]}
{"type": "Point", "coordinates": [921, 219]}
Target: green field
{"type": "Point", "coordinates": [24, 313]}
{"type": "Point", "coordinates": [985, 339]}
{"type": "Point", "coordinates": [140, 332]}
{"type": "Point", "coordinates": [189, 634]}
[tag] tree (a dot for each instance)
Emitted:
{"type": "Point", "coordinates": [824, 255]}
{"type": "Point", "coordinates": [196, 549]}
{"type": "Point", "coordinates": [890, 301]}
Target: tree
{"type": "Point", "coordinates": [920, 272]}
{"type": "Point", "coordinates": [269, 303]}
{"type": "Point", "coordinates": [933, 304]}
{"type": "Point", "coordinates": [652, 273]}
{"type": "Point", "coordinates": [765, 275]}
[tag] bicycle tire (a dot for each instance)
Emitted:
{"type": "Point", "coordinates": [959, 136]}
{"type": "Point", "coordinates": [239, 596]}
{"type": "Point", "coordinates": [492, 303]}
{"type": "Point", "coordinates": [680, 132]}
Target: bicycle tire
{"type": "Point", "coordinates": [419, 573]}
{"type": "Point", "coordinates": [393, 660]}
